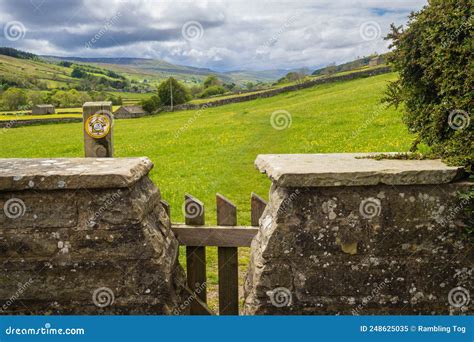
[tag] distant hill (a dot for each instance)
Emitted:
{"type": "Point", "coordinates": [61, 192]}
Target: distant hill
{"type": "Point", "coordinates": [27, 70]}
{"type": "Point", "coordinates": [352, 65]}
{"type": "Point", "coordinates": [155, 70]}
{"type": "Point", "coordinates": [8, 51]}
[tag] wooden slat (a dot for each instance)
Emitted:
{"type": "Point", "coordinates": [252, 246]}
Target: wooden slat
{"type": "Point", "coordinates": [257, 205]}
{"type": "Point", "coordinates": [220, 236]}
{"type": "Point", "coordinates": [195, 255]}
{"type": "Point", "coordinates": [227, 261]}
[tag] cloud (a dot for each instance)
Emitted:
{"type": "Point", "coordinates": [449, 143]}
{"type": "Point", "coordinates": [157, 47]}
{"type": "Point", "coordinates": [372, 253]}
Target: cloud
{"type": "Point", "coordinates": [238, 34]}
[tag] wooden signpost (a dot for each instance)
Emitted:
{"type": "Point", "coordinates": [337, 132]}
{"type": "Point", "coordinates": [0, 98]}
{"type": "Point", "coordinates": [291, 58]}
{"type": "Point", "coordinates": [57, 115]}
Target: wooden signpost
{"type": "Point", "coordinates": [98, 129]}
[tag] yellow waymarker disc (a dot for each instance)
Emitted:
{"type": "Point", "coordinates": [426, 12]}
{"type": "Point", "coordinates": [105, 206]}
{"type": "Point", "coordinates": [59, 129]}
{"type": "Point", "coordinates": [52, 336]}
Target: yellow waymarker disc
{"type": "Point", "coordinates": [97, 126]}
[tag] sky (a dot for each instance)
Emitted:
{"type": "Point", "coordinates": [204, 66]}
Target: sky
{"type": "Point", "coordinates": [221, 35]}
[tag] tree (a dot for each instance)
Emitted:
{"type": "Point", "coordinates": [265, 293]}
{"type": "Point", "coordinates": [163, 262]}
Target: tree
{"type": "Point", "coordinates": [433, 57]}
{"type": "Point", "coordinates": [116, 100]}
{"type": "Point", "coordinates": [212, 81]}
{"type": "Point", "coordinates": [295, 76]}
{"type": "Point", "coordinates": [152, 104]}
{"type": "Point", "coordinates": [13, 98]}
{"type": "Point", "coordinates": [230, 86]}
{"type": "Point", "coordinates": [78, 73]}
{"type": "Point", "coordinates": [211, 91]}
{"type": "Point", "coordinates": [249, 85]}
{"type": "Point", "coordinates": [172, 92]}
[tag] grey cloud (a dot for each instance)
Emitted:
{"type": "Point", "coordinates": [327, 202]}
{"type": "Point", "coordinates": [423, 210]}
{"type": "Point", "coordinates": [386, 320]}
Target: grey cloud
{"type": "Point", "coordinates": [237, 34]}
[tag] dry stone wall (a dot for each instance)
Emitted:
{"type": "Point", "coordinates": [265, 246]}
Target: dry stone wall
{"type": "Point", "coordinates": [275, 92]}
{"type": "Point", "coordinates": [85, 236]}
{"type": "Point", "coordinates": [343, 235]}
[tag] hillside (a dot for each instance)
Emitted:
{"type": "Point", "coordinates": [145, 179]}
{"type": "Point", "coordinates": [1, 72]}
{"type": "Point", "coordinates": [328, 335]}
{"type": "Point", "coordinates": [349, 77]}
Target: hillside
{"type": "Point", "coordinates": [358, 63]}
{"type": "Point", "coordinates": [155, 70]}
{"type": "Point", "coordinates": [36, 74]}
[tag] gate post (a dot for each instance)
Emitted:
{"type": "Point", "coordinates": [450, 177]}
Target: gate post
{"type": "Point", "coordinates": [98, 130]}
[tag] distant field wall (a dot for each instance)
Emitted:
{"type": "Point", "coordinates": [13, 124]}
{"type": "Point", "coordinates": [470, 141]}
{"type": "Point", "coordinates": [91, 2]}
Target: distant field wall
{"type": "Point", "coordinates": [274, 92]}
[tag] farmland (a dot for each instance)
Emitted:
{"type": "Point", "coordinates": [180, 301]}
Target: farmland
{"type": "Point", "coordinates": [213, 150]}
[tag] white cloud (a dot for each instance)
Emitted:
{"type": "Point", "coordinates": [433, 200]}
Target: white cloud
{"type": "Point", "coordinates": [237, 34]}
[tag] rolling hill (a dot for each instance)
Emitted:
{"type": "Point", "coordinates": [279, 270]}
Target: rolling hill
{"type": "Point", "coordinates": [157, 70]}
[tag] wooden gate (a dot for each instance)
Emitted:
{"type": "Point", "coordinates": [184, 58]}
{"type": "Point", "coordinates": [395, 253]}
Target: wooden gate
{"type": "Point", "coordinates": [227, 236]}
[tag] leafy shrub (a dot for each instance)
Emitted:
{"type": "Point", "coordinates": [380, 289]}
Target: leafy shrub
{"type": "Point", "coordinates": [116, 100]}
{"type": "Point", "coordinates": [78, 73]}
{"type": "Point", "coordinates": [213, 90]}
{"type": "Point", "coordinates": [65, 64]}
{"type": "Point", "coordinates": [211, 81]}
{"type": "Point", "coordinates": [152, 104]}
{"type": "Point", "coordinates": [433, 57]}
{"type": "Point", "coordinates": [14, 98]}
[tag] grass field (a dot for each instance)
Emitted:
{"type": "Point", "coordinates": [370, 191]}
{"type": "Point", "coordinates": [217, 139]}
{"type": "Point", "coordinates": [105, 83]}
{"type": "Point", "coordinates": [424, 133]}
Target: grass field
{"type": "Point", "coordinates": [211, 151]}
{"type": "Point", "coordinates": [60, 113]}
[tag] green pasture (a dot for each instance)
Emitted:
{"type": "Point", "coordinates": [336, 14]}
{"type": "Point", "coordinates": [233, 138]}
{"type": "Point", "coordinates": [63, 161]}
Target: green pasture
{"type": "Point", "coordinates": [213, 150]}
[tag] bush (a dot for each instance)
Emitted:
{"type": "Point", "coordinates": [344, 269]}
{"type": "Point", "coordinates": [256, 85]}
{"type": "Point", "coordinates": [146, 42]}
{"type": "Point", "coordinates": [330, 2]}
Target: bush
{"type": "Point", "coordinates": [78, 73]}
{"type": "Point", "coordinates": [116, 100]}
{"type": "Point", "coordinates": [211, 91]}
{"type": "Point", "coordinates": [211, 81]}
{"type": "Point", "coordinates": [152, 104]}
{"type": "Point", "coordinates": [14, 98]}
{"type": "Point", "coordinates": [65, 64]}
{"type": "Point", "coordinates": [433, 57]}
{"type": "Point", "coordinates": [71, 98]}
{"type": "Point", "coordinates": [171, 86]}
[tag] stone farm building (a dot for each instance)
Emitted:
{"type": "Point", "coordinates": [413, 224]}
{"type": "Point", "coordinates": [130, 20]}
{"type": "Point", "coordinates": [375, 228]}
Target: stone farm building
{"type": "Point", "coordinates": [42, 109]}
{"type": "Point", "coordinates": [126, 112]}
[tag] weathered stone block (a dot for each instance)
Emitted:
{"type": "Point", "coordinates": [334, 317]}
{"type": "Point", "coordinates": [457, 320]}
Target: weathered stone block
{"type": "Point", "coordinates": [85, 236]}
{"type": "Point", "coordinates": [337, 228]}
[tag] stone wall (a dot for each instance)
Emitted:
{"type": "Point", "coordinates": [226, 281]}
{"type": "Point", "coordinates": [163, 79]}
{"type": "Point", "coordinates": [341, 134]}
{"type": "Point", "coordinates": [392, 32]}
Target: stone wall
{"type": "Point", "coordinates": [85, 236]}
{"type": "Point", "coordinates": [13, 123]}
{"type": "Point", "coordinates": [278, 91]}
{"type": "Point", "coordinates": [343, 235]}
